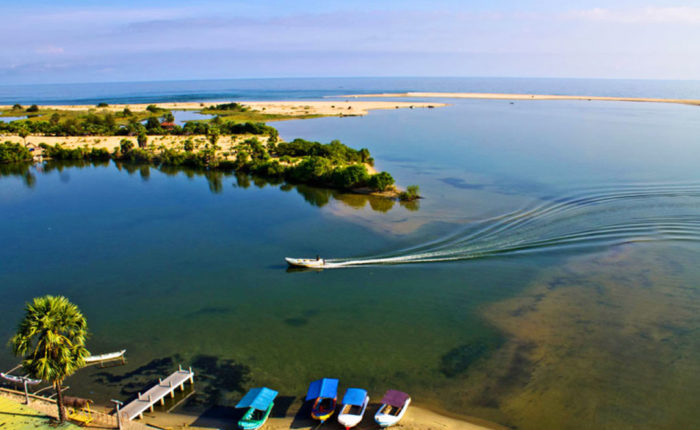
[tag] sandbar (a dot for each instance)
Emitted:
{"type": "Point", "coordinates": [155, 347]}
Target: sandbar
{"type": "Point", "coordinates": [290, 107]}
{"type": "Point", "coordinates": [500, 96]}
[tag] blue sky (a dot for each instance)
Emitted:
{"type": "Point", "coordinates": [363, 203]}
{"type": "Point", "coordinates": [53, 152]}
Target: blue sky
{"type": "Point", "coordinates": [96, 41]}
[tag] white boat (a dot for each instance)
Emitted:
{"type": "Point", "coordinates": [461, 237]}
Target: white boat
{"type": "Point", "coordinates": [105, 357]}
{"type": "Point", "coordinates": [313, 263]}
{"type": "Point", "coordinates": [355, 402]}
{"type": "Point", "coordinates": [19, 379]}
{"type": "Point", "coordinates": [394, 405]}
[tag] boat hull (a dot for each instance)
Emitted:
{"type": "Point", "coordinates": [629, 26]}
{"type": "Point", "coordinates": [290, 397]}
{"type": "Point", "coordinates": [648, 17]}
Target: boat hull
{"type": "Point", "coordinates": [387, 420]}
{"type": "Point", "coordinates": [248, 423]}
{"type": "Point", "coordinates": [351, 420]}
{"type": "Point", "coordinates": [322, 412]}
{"type": "Point", "coordinates": [306, 262]}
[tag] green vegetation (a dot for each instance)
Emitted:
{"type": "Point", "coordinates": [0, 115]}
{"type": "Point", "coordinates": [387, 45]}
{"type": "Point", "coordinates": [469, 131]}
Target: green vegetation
{"type": "Point", "coordinates": [14, 153]}
{"type": "Point", "coordinates": [332, 165]}
{"type": "Point", "coordinates": [225, 107]}
{"type": "Point", "coordinates": [102, 105]}
{"type": "Point", "coordinates": [411, 193]}
{"type": "Point", "coordinates": [51, 341]}
{"type": "Point", "coordinates": [33, 108]}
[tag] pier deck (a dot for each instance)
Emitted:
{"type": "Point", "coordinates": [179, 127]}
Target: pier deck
{"type": "Point", "coordinates": [157, 393]}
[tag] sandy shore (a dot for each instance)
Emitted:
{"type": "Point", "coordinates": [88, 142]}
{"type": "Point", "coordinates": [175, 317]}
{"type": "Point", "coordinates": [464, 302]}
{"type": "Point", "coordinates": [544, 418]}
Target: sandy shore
{"type": "Point", "coordinates": [294, 108]}
{"type": "Point", "coordinates": [497, 96]}
{"type": "Point", "coordinates": [416, 418]}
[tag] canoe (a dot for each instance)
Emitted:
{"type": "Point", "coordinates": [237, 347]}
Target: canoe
{"type": "Point", "coordinates": [313, 263]}
{"type": "Point", "coordinates": [353, 407]}
{"type": "Point", "coordinates": [259, 402]}
{"type": "Point", "coordinates": [20, 379]}
{"type": "Point", "coordinates": [394, 405]}
{"type": "Point", "coordinates": [105, 357]}
{"type": "Point", "coordinates": [324, 393]}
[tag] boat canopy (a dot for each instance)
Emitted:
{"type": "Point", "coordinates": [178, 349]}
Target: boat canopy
{"type": "Point", "coordinates": [395, 398]}
{"type": "Point", "coordinates": [258, 398]}
{"type": "Point", "coordinates": [325, 387]}
{"type": "Point", "coordinates": [355, 397]}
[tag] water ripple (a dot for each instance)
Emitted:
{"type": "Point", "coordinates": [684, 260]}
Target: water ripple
{"type": "Point", "coordinates": [590, 218]}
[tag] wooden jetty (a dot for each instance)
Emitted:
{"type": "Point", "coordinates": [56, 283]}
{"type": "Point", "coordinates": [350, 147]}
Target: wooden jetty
{"type": "Point", "coordinates": [158, 393]}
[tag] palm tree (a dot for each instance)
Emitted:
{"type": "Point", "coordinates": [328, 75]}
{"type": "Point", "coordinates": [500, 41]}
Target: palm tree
{"type": "Point", "coordinates": [51, 340]}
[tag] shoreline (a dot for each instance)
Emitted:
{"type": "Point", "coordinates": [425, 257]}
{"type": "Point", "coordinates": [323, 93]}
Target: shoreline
{"type": "Point", "coordinates": [417, 417]}
{"type": "Point", "coordinates": [507, 96]}
{"type": "Point", "coordinates": [285, 107]}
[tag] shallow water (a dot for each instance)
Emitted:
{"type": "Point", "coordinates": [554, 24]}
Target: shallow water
{"type": "Point", "coordinates": [570, 299]}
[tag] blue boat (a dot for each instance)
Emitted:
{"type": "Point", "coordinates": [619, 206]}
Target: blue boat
{"type": "Point", "coordinates": [259, 402]}
{"type": "Point", "coordinates": [353, 407]}
{"type": "Point", "coordinates": [324, 393]}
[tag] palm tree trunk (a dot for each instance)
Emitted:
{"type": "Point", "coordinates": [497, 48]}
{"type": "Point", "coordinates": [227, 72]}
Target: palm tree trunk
{"type": "Point", "coordinates": [59, 402]}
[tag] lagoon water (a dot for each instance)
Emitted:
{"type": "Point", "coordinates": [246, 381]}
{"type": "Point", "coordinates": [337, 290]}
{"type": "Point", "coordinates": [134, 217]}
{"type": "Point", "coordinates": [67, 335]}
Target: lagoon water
{"type": "Point", "coordinates": [548, 279]}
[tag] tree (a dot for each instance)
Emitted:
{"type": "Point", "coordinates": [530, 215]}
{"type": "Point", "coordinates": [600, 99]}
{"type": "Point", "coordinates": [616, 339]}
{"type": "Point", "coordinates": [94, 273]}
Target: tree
{"type": "Point", "coordinates": [213, 136]}
{"type": "Point", "coordinates": [51, 340]}
{"type": "Point", "coordinates": [168, 117]}
{"type": "Point", "coordinates": [142, 139]}
{"type": "Point", "coordinates": [17, 106]}
{"type": "Point", "coordinates": [102, 105]}
{"type": "Point", "coordinates": [189, 145]}
{"type": "Point", "coordinates": [125, 145]}
{"type": "Point", "coordinates": [33, 108]}
{"type": "Point", "coordinates": [126, 112]}
{"type": "Point", "coordinates": [380, 181]}
{"type": "Point", "coordinates": [23, 133]}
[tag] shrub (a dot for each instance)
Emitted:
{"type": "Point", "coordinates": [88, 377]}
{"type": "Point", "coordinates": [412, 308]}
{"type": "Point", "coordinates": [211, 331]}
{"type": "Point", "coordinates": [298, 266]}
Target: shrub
{"type": "Point", "coordinates": [17, 106]}
{"type": "Point", "coordinates": [380, 181]}
{"type": "Point", "coordinates": [142, 139]}
{"type": "Point", "coordinates": [411, 193]}
{"type": "Point", "coordinates": [350, 177]}
{"type": "Point", "coordinates": [189, 145]}
{"type": "Point", "coordinates": [33, 108]}
{"type": "Point", "coordinates": [125, 145]}
{"type": "Point", "coordinates": [13, 152]}
{"type": "Point", "coordinates": [102, 105]}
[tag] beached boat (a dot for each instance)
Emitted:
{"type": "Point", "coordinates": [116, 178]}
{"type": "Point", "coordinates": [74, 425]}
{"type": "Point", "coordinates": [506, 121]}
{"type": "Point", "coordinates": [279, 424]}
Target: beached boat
{"type": "Point", "coordinates": [353, 407]}
{"type": "Point", "coordinates": [313, 263]}
{"type": "Point", "coordinates": [19, 379]}
{"type": "Point", "coordinates": [105, 357]}
{"type": "Point", "coordinates": [259, 402]}
{"type": "Point", "coordinates": [394, 405]}
{"type": "Point", "coordinates": [324, 393]}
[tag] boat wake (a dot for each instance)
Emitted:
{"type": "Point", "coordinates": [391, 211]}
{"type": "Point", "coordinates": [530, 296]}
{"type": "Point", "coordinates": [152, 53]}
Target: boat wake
{"type": "Point", "coordinates": [592, 218]}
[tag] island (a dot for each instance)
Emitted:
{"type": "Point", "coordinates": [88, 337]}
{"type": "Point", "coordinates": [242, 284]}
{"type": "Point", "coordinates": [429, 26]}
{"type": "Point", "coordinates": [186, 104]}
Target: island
{"type": "Point", "coordinates": [229, 137]}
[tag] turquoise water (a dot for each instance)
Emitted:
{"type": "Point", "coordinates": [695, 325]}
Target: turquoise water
{"type": "Point", "coordinates": [548, 279]}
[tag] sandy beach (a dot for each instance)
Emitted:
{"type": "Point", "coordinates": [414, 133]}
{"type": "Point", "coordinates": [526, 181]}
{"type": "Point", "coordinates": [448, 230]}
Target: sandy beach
{"type": "Point", "coordinates": [416, 418]}
{"type": "Point", "coordinates": [499, 96]}
{"type": "Point", "coordinates": [294, 108]}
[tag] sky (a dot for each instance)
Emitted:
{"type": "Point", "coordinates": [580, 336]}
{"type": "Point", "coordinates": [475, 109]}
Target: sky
{"type": "Point", "coordinates": [49, 41]}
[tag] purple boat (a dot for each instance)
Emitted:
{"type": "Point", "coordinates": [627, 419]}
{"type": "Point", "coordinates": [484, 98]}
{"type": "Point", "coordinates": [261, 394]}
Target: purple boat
{"type": "Point", "coordinates": [394, 405]}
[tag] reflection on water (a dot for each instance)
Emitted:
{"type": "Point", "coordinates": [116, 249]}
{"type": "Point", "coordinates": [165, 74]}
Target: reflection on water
{"type": "Point", "coordinates": [318, 197]}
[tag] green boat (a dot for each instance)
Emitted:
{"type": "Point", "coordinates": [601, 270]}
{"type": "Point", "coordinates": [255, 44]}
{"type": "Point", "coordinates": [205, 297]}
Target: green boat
{"type": "Point", "coordinates": [259, 402]}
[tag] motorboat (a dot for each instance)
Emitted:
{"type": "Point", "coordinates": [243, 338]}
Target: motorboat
{"type": "Point", "coordinates": [259, 402]}
{"type": "Point", "coordinates": [324, 394]}
{"type": "Point", "coordinates": [394, 405]}
{"type": "Point", "coordinates": [353, 407]}
{"type": "Point", "coordinates": [312, 263]}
